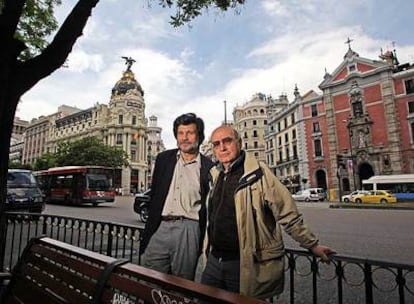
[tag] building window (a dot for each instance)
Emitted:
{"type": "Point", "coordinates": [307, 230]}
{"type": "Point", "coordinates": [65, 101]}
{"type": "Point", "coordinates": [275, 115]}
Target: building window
{"type": "Point", "coordinates": [314, 109]}
{"type": "Point", "coordinates": [409, 86]}
{"type": "Point", "coordinates": [245, 134]}
{"type": "Point", "coordinates": [119, 139]}
{"type": "Point", "coordinates": [351, 68]}
{"type": "Point", "coordinates": [411, 107]}
{"type": "Point", "coordinates": [293, 134]}
{"type": "Point", "coordinates": [412, 132]}
{"type": "Point", "coordinates": [278, 126]}
{"type": "Point", "coordinates": [286, 137]}
{"type": "Point", "coordinates": [265, 122]}
{"type": "Point", "coordinates": [134, 138]}
{"type": "Point", "coordinates": [316, 127]}
{"type": "Point", "coordinates": [254, 133]}
{"type": "Point", "coordinates": [245, 145]}
{"type": "Point", "coordinates": [292, 118]}
{"type": "Point", "coordinates": [256, 154]}
{"type": "Point", "coordinates": [133, 155]}
{"type": "Point", "coordinates": [286, 122]}
{"type": "Point", "coordinates": [318, 147]}
{"type": "Point", "coordinates": [134, 120]}
{"type": "Point", "coordinates": [280, 140]}
{"type": "Point", "coordinates": [120, 119]}
{"type": "Point", "coordinates": [254, 122]}
{"type": "Point", "coordinates": [295, 152]}
{"type": "Point", "coordinates": [256, 145]}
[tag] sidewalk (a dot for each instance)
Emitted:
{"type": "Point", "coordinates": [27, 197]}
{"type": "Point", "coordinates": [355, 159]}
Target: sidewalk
{"type": "Point", "coordinates": [401, 206]}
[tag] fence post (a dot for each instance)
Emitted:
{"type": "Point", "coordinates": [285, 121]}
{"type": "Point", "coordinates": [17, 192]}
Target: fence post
{"type": "Point", "coordinates": [368, 284]}
{"type": "Point", "coordinates": [3, 236]}
{"type": "Point", "coordinates": [340, 274]}
{"type": "Point", "coordinates": [110, 239]}
{"type": "Point", "coordinates": [401, 283]}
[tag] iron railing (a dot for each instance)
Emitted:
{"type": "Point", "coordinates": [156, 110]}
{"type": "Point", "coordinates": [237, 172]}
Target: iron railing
{"type": "Point", "coordinates": [345, 280]}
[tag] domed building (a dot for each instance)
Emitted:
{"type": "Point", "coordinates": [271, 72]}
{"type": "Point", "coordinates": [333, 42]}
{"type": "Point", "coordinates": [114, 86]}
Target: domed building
{"type": "Point", "coordinates": [121, 123]}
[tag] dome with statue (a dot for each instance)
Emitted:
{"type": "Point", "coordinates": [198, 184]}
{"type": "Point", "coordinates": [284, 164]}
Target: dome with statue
{"type": "Point", "coordinates": [127, 83]}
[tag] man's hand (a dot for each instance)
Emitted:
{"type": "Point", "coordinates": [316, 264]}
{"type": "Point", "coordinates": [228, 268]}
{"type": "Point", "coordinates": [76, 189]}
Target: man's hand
{"type": "Point", "coordinates": [323, 252]}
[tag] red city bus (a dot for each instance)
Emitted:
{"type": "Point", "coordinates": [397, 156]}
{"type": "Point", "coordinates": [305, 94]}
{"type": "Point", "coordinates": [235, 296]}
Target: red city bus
{"type": "Point", "coordinates": [77, 184]}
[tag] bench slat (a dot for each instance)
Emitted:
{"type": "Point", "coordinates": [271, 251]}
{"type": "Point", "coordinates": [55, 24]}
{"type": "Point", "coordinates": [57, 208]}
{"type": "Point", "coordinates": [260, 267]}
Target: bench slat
{"type": "Point", "coordinates": [24, 291]}
{"type": "Point", "coordinates": [80, 278]}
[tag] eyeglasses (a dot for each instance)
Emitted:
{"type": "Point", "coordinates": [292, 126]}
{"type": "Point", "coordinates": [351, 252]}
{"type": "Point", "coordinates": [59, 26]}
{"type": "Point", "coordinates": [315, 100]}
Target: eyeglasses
{"type": "Point", "coordinates": [226, 141]}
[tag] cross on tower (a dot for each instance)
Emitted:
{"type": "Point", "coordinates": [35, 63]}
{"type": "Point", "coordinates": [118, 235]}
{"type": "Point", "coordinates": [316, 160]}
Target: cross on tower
{"type": "Point", "coordinates": [348, 41]}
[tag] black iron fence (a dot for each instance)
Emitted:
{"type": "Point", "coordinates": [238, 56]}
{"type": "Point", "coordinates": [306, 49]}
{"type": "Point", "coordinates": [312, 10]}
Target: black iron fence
{"type": "Point", "coordinates": [345, 280]}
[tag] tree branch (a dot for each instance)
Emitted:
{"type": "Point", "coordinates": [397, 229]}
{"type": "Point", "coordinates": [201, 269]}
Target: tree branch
{"type": "Point", "coordinates": [9, 19]}
{"type": "Point", "coordinates": [55, 55]}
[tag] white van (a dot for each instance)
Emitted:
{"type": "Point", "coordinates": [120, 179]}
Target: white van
{"type": "Point", "coordinates": [306, 195]}
{"type": "Point", "coordinates": [321, 193]}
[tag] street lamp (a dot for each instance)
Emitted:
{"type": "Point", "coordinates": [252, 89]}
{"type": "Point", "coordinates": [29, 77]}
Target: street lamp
{"type": "Point", "coordinates": [351, 156]}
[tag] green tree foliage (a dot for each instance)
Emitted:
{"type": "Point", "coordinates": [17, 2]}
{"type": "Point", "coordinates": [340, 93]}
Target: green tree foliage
{"type": "Point", "coordinates": [22, 28]}
{"type": "Point", "coordinates": [46, 161]}
{"type": "Point", "coordinates": [36, 23]}
{"type": "Point", "coordinates": [90, 151]}
{"type": "Point", "coordinates": [19, 165]}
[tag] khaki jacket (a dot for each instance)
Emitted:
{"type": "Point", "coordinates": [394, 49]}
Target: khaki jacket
{"type": "Point", "coordinates": [263, 205]}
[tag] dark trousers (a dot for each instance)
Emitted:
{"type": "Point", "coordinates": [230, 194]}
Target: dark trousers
{"type": "Point", "coordinates": [222, 274]}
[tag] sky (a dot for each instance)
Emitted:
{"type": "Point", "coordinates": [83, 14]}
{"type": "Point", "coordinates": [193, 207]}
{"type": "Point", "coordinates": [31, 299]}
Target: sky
{"type": "Point", "coordinates": [266, 46]}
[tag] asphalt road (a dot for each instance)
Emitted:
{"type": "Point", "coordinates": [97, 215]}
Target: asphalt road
{"type": "Point", "coordinates": [366, 233]}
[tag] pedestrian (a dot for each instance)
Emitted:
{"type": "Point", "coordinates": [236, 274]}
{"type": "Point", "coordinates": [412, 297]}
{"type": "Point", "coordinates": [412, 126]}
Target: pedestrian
{"type": "Point", "coordinates": [247, 206]}
{"type": "Point", "coordinates": [174, 233]}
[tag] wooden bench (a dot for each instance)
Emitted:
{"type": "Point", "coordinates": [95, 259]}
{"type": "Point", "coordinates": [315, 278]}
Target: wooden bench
{"type": "Point", "coordinates": [51, 271]}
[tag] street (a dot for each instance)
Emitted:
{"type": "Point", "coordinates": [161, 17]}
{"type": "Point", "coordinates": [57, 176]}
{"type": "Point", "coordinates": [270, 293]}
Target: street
{"type": "Point", "coordinates": [366, 233]}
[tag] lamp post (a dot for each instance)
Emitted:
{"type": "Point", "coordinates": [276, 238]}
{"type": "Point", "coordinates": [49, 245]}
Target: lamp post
{"type": "Point", "coordinates": [350, 150]}
{"type": "Point", "coordinates": [225, 112]}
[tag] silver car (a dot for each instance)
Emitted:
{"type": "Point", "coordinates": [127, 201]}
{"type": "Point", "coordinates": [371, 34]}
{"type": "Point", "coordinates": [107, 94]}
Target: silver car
{"type": "Point", "coordinates": [348, 198]}
{"type": "Point", "coordinates": [306, 195]}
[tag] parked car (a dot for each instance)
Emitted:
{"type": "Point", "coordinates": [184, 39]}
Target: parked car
{"type": "Point", "coordinates": [375, 196]}
{"type": "Point", "coordinates": [348, 197]}
{"type": "Point", "coordinates": [23, 193]}
{"type": "Point", "coordinates": [141, 204]}
{"type": "Point", "coordinates": [320, 192]}
{"type": "Point", "coordinates": [306, 195]}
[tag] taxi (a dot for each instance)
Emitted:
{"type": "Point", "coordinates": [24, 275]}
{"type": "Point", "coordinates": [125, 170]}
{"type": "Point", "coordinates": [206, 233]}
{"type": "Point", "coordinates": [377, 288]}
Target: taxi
{"type": "Point", "coordinates": [375, 196]}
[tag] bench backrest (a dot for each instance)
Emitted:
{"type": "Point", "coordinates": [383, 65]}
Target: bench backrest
{"type": "Point", "coordinates": [55, 272]}
{"type": "Point", "coordinates": [131, 283]}
{"type": "Point", "coordinates": [51, 271]}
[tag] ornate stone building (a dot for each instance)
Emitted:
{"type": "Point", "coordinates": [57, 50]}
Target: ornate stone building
{"type": "Point", "coordinates": [250, 120]}
{"type": "Point", "coordinates": [369, 107]}
{"type": "Point", "coordinates": [154, 145]}
{"type": "Point", "coordinates": [38, 133]}
{"type": "Point", "coordinates": [17, 140]}
{"type": "Point", "coordinates": [121, 123]}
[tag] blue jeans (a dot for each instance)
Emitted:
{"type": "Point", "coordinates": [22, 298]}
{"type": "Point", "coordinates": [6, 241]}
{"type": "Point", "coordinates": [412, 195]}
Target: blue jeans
{"type": "Point", "coordinates": [222, 274]}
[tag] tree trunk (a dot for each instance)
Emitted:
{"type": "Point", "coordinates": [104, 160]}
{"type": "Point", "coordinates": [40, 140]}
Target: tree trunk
{"type": "Point", "coordinates": [18, 77]}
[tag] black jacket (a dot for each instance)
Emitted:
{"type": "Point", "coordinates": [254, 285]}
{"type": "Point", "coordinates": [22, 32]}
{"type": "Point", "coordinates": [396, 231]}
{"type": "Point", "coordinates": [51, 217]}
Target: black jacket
{"type": "Point", "coordinates": [161, 180]}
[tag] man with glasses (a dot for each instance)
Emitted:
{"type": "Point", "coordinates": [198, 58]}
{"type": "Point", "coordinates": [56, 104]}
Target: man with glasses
{"type": "Point", "coordinates": [247, 206]}
{"type": "Point", "coordinates": [176, 224]}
